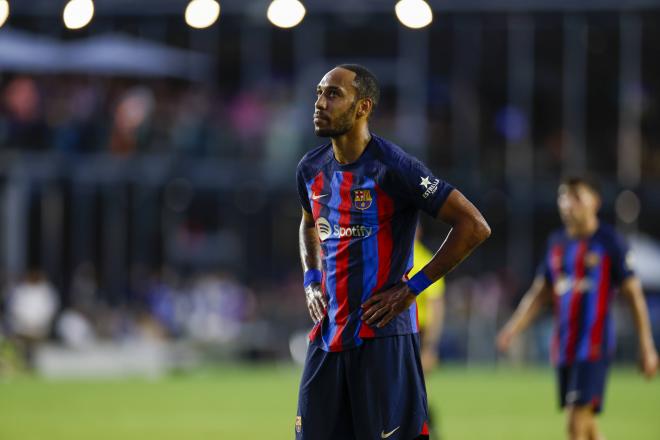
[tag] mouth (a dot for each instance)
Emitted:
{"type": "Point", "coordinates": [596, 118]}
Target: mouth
{"type": "Point", "coordinates": [320, 117]}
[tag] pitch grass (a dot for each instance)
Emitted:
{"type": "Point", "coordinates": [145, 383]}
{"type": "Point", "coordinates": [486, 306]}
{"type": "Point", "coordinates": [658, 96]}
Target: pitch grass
{"type": "Point", "coordinates": [248, 402]}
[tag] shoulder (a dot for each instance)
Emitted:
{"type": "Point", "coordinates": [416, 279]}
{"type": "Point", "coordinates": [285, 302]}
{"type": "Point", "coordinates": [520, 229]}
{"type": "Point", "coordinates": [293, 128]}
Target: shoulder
{"type": "Point", "coordinates": [391, 154]}
{"type": "Point", "coordinates": [558, 236]}
{"type": "Point", "coordinates": [313, 160]}
{"type": "Point", "coordinates": [611, 237]}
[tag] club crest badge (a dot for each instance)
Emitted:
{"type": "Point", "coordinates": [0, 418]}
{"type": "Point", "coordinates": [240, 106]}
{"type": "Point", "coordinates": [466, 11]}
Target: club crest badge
{"type": "Point", "coordinates": [298, 424]}
{"type": "Point", "coordinates": [362, 198]}
{"type": "Point", "coordinates": [592, 259]}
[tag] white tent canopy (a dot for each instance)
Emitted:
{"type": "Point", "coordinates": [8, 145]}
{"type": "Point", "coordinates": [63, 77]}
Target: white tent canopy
{"type": "Point", "coordinates": [646, 255]}
{"type": "Point", "coordinates": [108, 54]}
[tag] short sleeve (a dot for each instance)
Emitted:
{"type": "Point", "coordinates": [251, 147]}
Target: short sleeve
{"type": "Point", "coordinates": [543, 269]}
{"type": "Point", "coordinates": [302, 189]}
{"type": "Point", "coordinates": [426, 191]}
{"type": "Point", "coordinates": [622, 264]}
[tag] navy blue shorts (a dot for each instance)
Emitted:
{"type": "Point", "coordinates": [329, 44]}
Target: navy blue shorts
{"type": "Point", "coordinates": [374, 391]}
{"type": "Point", "coordinates": [583, 383]}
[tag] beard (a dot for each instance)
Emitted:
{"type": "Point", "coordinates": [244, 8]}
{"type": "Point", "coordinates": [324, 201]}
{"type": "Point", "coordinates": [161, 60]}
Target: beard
{"type": "Point", "coordinates": [340, 126]}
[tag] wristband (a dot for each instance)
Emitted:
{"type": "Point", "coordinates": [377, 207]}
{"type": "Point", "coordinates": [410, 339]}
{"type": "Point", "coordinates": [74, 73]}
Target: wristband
{"type": "Point", "coordinates": [419, 282]}
{"type": "Point", "coordinates": [312, 276]}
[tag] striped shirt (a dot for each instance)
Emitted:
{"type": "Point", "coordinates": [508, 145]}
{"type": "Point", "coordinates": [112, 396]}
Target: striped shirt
{"type": "Point", "coordinates": [365, 213]}
{"type": "Point", "coordinates": [584, 273]}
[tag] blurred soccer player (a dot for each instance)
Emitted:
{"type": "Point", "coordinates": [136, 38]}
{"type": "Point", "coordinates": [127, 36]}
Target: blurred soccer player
{"type": "Point", "coordinates": [360, 196]}
{"type": "Point", "coordinates": [585, 262]}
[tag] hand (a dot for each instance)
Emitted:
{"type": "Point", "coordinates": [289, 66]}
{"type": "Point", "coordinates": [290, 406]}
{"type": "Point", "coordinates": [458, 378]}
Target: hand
{"type": "Point", "coordinates": [382, 307]}
{"type": "Point", "coordinates": [316, 302]}
{"type": "Point", "coordinates": [504, 339]}
{"type": "Point", "coordinates": [649, 362]}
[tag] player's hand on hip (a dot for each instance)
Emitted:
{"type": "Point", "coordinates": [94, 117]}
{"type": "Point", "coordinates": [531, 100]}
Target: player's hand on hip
{"type": "Point", "coordinates": [649, 362]}
{"type": "Point", "coordinates": [382, 307]}
{"type": "Point", "coordinates": [316, 302]}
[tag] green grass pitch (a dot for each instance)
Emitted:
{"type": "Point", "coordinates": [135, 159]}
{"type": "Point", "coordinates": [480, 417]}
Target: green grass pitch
{"type": "Point", "coordinates": [247, 402]}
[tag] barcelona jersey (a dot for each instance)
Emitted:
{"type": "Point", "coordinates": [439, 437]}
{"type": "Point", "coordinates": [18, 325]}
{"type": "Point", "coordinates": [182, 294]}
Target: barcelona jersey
{"type": "Point", "coordinates": [365, 213]}
{"type": "Point", "coordinates": [584, 273]}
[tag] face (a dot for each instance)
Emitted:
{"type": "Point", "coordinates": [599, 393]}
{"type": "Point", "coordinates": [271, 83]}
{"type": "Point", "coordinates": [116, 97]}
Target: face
{"type": "Point", "coordinates": [577, 204]}
{"type": "Point", "coordinates": [335, 110]}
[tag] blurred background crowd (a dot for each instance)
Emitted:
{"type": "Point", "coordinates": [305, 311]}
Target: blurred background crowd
{"type": "Point", "coordinates": [147, 191]}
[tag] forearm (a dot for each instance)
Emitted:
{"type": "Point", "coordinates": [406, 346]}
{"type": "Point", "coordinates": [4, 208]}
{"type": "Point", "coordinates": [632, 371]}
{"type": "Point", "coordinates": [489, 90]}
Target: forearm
{"type": "Point", "coordinates": [310, 248]}
{"type": "Point", "coordinates": [528, 309]}
{"type": "Point", "coordinates": [633, 291]}
{"type": "Point", "coordinates": [462, 239]}
{"type": "Point", "coordinates": [534, 301]}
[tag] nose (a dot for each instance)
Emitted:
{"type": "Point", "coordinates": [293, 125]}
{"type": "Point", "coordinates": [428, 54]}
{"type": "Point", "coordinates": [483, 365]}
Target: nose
{"type": "Point", "coordinates": [320, 102]}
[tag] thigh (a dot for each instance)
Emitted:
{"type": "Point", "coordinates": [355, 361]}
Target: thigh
{"type": "Point", "coordinates": [323, 405]}
{"type": "Point", "coordinates": [387, 391]}
{"type": "Point", "coordinates": [583, 384]}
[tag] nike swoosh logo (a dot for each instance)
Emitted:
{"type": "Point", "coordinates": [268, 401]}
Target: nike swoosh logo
{"type": "Point", "coordinates": [318, 196]}
{"type": "Point", "coordinates": [383, 435]}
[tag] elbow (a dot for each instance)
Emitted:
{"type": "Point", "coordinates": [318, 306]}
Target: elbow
{"type": "Point", "coordinates": [480, 230]}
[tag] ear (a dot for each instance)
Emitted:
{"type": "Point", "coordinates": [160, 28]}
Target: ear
{"type": "Point", "coordinates": [364, 107]}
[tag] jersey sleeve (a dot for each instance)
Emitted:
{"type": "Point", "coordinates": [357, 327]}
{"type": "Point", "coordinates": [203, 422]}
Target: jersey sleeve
{"type": "Point", "coordinates": [622, 265]}
{"type": "Point", "coordinates": [426, 191]}
{"type": "Point", "coordinates": [302, 189]}
{"type": "Point", "coordinates": [543, 269]}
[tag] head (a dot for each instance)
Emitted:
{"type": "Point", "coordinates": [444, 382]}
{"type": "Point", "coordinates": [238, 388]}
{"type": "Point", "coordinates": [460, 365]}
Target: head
{"type": "Point", "coordinates": [345, 97]}
{"type": "Point", "coordinates": [578, 200]}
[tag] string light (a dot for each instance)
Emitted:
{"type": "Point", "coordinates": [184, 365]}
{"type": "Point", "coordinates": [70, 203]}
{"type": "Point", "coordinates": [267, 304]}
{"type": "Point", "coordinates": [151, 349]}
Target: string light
{"type": "Point", "coordinates": [285, 13]}
{"type": "Point", "coordinates": [78, 13]}
{"type": "Point", "coordinates": [201, 14]}
{"type": "Point", "coordinates": [414, 14]}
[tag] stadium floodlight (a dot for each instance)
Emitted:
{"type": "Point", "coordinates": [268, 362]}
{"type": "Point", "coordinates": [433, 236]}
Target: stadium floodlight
{"type": "Point", "coordinates": [414, 14]}
{"type": "Point", "coordinates": [285, 13]}
{"type": "Point", "coordinates": [4, 11]}
{"type": "Point", "coordinates": [78, 13]}
{"type": "Point", "coordinates": [201, 14]}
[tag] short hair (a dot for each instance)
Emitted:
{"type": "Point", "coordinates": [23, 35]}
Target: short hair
{"type": "Point", "coordinates": [589, 181]}
{"type": "Point", "coordinates": [365, 82]}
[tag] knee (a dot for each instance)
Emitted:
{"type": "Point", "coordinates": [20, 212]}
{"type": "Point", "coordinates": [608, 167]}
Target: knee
{"type": "Point", "coordinates": [578, 424]}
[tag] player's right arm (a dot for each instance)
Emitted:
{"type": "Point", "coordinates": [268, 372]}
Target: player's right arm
{"type": "Point", "coordinates": [310, 257]}
{"type": "Point", "coordinates": [536, 298]}
{"type": "Point", "coordinates": [631, 288]}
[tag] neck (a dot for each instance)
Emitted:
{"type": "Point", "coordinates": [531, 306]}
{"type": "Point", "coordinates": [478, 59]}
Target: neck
{"type": "Point", "coordinates": [586, 229]}
{"type": "Point", "coordinates": [349, 147]}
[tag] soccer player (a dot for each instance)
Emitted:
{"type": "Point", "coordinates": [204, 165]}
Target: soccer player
{"type": "Point", "coordinates": [360, 197]}
{"type": "Point", "coordinates": [585, 263]}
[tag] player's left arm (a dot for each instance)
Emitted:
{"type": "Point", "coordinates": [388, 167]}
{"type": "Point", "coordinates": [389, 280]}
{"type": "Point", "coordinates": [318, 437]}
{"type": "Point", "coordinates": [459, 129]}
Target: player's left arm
{"type": "Point", "coordinates": [468, 230]}
{"type": "Point", "coordinates": [631, 288]}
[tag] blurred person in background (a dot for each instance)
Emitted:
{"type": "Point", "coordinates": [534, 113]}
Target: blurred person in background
{"type": "Point", "coordinates": [31, 307]}
{"type": "Point", "coordinates": [585, 262]}
{"type": "Point", "coordinates": [430, 311]}
{"type": "Point", "coordinates": [22, 123]}
{"type": "Point", "coordinates": [131, 129]}
{"type": "Point", "coordinates": [360, 197]}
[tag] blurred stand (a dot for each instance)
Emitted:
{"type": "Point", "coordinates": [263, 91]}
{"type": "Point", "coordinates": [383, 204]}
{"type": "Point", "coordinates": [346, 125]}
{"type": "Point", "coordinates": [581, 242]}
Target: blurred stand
{"type": "Point", "coordinates": [147, 168]}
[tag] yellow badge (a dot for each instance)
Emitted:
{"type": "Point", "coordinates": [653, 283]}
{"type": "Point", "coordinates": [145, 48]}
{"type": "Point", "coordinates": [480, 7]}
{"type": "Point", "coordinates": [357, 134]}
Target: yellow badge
{"type": "Point", "coordinates": [298, 424]}
{"type": "Point", "coordinates": [592, 259]}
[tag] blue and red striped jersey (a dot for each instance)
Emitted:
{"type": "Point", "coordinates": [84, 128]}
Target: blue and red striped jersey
{"type": "Point", "coordinates": [366, 213]}
{"type": "Point", "coordinates": [584, 274]}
